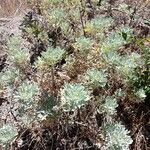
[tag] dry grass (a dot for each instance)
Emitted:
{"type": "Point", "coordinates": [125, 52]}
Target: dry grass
{"type": "Point", "coordinates": [9, 8]}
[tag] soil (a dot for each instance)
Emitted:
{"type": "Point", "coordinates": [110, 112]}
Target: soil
{"type": "Point", "coordinates": [8, 27]}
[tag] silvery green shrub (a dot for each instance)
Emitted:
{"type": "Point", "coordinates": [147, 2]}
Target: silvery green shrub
{"type": "Point", "coordinates": [56, 16]}
{"type": "Point", "coordinates": [126, 32]}
{"type": "Point", "coordinates": [117, 136]}
{"type": "Point", "coordinates": [83, 45]}
{"type": "Point", "coordinates": [112, 57]}
{"type": "Point", "coordinates": [50, 57]}
{"type": "Point", "coordinates": [65, 27]}
{"type": "Point", "coordinates": [8, 77]}
{"type": "Point", "coordinates": [27, 95]}
{"type": "Point", "coordinates": [109, 106]}
{"type": "Point", "coordinates": [73, 96]}
{"type": "Point", "coordinates": [112, 43]}
{"type": "Point", "coordinates": [128, 63]}
{"type": "Point", "coordinates": [7, 133]}
{"type": "Point", "coordinates": [96, 78]}
{"type": "Point", "coordinates": [17, 54]}
{"type": "Point", "coordinates": [140, 94]}
{"type": "Point", "coordinates": [98, 25]}
{"type": "Point", "coordinates": [119, 93]}
{"type": "Point", "coordinates": [27, 92]}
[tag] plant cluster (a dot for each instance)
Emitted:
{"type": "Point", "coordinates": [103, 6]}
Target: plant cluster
{"type": "Point", "coordinates": [67, 74]}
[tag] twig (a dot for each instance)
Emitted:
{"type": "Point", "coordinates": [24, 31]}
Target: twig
{"type": "Point", "coordinates": [81, 18]}
{"type": "Point", "coordinates": [53, 80]}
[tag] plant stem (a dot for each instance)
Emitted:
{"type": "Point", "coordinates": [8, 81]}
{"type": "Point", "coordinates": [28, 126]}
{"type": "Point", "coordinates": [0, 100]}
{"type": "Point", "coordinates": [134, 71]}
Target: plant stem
{"type": "Point", "coordinates": [53, 81]}
{"type": "Point", "coordinates": [81, 18]}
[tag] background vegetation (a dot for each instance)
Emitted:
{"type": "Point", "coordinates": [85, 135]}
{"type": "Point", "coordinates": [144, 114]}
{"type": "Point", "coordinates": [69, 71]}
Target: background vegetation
{"type": "Point", "coordinates": [78, 77]}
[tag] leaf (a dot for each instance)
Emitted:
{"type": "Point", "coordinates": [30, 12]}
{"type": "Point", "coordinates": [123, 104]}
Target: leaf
{"type": "Point", "coordinates": [46, 108]}
{"type": "Point", "coordinates": [124, 35]}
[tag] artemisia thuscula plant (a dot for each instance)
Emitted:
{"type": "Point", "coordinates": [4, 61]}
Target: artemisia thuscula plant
{"type": "Point", "coordinates": [62, 71]}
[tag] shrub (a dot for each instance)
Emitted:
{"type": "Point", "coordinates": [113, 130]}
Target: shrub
{"type": "Point", "coordinates": [83, 45]}
{"type": "Point", "coordinates": [112, 43]}
{"type": "Point", "coordinates": [112, 58]}
{"type": "Point", "coordinates": [18, 54]}
{"type": "Point", "coordinates": [83, 64]}
{"type": "Point", "coordinates": [117, 137]}
{"type": "Point", "coordinates": [98, 25]}
{"type": "Point", "coordinates": [7, 134]}
{"type": "Point", "coordinates": [49, 58]}
{"type": "Point", "coordinates": [26, 92]}
{"type": "Point", "coordinates": [128, 64]}
{"type": "Point", "coordinates": [96, 78]}
{"type": "Point", "coordinates": [73, 96]}
{"type": "Point", "coordinates": [109, 106]}
{"type": "Point", "coordinates": [57, 16]}
{"type": "Point", "coordinates": [140, 95]}
{"type": "Point", "coordinates": [9, 76]}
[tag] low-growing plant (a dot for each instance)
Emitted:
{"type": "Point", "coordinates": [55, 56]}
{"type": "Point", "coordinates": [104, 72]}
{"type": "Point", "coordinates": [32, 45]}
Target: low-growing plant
{"type": "Point", "coordinates": [98, 25]}
{"type": "Point", "coordinates": [50, 58]}
{"type": "Point", "coordinates": [9, 76]}
{"type": "Point", "coordinates": [129, 63]}
{"type": "Point", "coordinates": [74, 96]}
{"type": "Point", "coordinates": [112, 58]}
{"type": "Point", "coordinates": [109, 106]}
{"type": "Point", "coordinates": [17, 53]}
{"type": "Point", "coordinates": [83, 45]}
{"type": "Point", "coordinates": [57, 16]}
{"type": "Point", "coordinates": [27, 92]}
{"type": "Point", "coordinates": [78, 64]}
{"type": "Point", "coordinates": [96, 78]}
{"type": "Point", "coordinates": [112, 43]}
{"type": "Point", "coordinates": [127, 33]}
{"type": "Point", "coordinates": [117, 137]}
{"type": "Point", "coordinates": [141, 95]}
{"type": "Point", "coordinates": [7, 134]}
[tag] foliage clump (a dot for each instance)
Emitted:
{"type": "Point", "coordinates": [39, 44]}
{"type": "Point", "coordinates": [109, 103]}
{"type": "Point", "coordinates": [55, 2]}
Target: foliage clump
{"type": "Point", "coordinates": [50, 57]}
{"type": "Point", "coordinates": [7, 133]}
{"type": "Point", "coordinates": [109, 106]}
{"type": "Point", "coordinates": [96, 78]}
{"type": "Point", "coordinates": [83, 45]}
{"type": "Point", "coordinates": [9, 76]}
{"type": "Point", "coordinates": [74, 96]}
{"type": "Point", "coordinates": [117, 137]}
{"type": "Point", "coordinates": [98, 26]}
{"type": "Point", "coordinates": [27, 91]}
{"type": "Point", "coordinates": [16, 52]}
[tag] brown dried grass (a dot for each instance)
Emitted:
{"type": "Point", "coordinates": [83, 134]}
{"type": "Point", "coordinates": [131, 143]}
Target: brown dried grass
{"type": "Point", "coordinates": [9, 8]}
